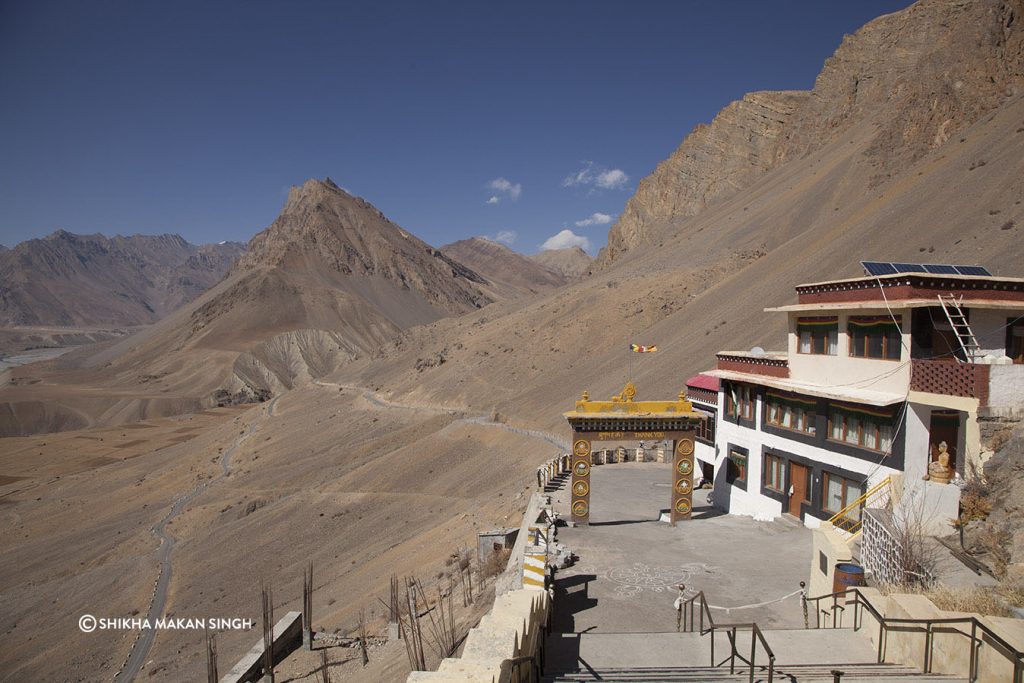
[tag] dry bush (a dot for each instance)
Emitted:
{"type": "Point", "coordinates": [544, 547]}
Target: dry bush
{"type": "Point", "coordinates": [975, 503]}
{"type": "Point", "coordinates": [974, 599]}
{"type": "Point", "coordinates": [1012, 590]}
{"type": "Point", "coordinates": [995, 540]}
{"type": "Point", "coordinates": [495, 563]}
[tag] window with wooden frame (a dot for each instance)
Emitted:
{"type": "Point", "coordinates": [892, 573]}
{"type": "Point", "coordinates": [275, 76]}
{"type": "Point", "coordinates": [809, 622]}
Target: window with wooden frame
{"type": "Point", "coordinates": [837, 493]}
{"type": "Point", "coordinates": [736, 467]}
{"type": "Point", "coordinates": [861, 426]}
{"type": "Point", "coordinates": [789, 411]}
{"type": "Point", "coordinates": [739, 401]}
{"type": "Point", "coordinates": [875, 336]}
{"type": "Point", "coordinates": [773, 472]}
{"type": "Point", "coordinates": [818, 335]}
{"type": "Point", "coordinates": [706, 428]}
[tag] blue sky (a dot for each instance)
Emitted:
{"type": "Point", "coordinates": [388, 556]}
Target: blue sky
{"type": "Point", "coordinates": [517, 120]}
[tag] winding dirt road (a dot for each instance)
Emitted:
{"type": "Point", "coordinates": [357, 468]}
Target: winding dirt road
{"type": "Point", "coordinates": [144, 642]}
{"type": "Point", "coordinates": [467, 417]}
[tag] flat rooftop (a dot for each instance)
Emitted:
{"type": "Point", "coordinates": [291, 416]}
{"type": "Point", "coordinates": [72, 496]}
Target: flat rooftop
{"type": "Point", "coordinates": [629, 562]}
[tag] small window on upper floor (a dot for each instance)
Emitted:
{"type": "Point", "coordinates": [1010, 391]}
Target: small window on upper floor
{"type": "Point", "coordinates": [818, 335]}
{"type": "Point", "coordinates": [874, 336]}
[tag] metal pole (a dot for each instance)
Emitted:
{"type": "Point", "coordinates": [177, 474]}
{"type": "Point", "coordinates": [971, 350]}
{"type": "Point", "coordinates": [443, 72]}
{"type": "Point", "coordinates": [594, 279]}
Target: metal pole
{"type": "Point", "coordinates": [972, 673]}
{"type": "Point", "coordinates": [803, 601]}
{"type": "Point", "coordinates": [927, 646]}
{"type": "Point", "coordinates": [732, 655]}
{"type": "Point", "coordinates": [753, 651]}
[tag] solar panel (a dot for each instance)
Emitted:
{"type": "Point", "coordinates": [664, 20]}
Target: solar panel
{"type": "Point", "coordinates": [909, 268]}
{"type": "Point", "coordinates": [877, 268]}
{"type": "Point", "coordinates": [972, 270]}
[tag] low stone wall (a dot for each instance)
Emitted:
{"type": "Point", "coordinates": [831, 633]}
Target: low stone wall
{"type": "Point", "coordinates": [828, 547]}
{"type": "Point", "coordinates": [951, 652]}
{"type": "Point", "coordinates": [287, 639]}
{"type": "Point", "coordinates": [514, 627]}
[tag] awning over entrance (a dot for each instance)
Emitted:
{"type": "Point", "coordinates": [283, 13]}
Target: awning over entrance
{"type": "Point", "coordinates": [851, 394]}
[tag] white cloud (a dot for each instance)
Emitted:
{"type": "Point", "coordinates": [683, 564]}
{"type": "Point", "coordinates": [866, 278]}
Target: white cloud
{"type": "Point", "coordinates": [594, 176]}
{"type": "Point", "coordinates": [613, 179]}
{"type": "Point", "coordinates": [506, 187]}
{"type": "Point", "coordinates": [595, 219]}
{"type": "Point", "coordinates": [506, 236]}
{"type": "Point", "coordinates": [564, 240]}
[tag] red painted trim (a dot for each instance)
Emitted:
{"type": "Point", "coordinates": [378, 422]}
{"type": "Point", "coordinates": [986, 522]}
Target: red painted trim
{"type": "Point", "coordinates": [911, 287]}
{"type": "Point", "coordinates": [754, 366]}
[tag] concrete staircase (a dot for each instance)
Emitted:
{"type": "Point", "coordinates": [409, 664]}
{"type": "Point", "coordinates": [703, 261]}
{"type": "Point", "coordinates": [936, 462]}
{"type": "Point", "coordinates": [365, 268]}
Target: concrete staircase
{"type": "Point", "coordinates": [879, 673]}
{"type": "Point", "coordinates": [802, 656]}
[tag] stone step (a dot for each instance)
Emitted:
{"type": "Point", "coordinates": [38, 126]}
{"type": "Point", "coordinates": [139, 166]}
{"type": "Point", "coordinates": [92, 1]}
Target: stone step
{"type": "Point", "coordinates": [569, 651]}
{"type": "Point", "coordinates": [878, 673]}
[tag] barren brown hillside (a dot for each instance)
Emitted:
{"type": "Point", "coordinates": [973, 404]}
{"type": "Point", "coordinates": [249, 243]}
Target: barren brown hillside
{"type": "Point", "coordinates": [383, 464]}
{"type": "Point", "coordinates": [330, 280]}
{"type": "Point", "coordinates": [917, 77]}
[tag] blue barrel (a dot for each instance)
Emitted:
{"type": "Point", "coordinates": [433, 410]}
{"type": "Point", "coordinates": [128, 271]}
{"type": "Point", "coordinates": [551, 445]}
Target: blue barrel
{"type": "Point", "coordinates": [847, 575]}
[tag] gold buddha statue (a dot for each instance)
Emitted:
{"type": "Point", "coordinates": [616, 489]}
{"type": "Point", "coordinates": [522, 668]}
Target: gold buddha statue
{"type": "Point", "coordinates": [939, 470]}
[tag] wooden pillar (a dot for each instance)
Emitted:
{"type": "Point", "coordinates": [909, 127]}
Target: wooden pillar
{"type": "Point", "coordinates": [581, 465]}
{"type": "Point", "coordinates": [682, 477]}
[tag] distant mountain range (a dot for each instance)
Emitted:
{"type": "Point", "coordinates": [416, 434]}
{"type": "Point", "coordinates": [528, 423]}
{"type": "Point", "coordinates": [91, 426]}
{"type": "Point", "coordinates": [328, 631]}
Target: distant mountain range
{"type": "Point", "coordinates": [572, 262]}
{"type": "Point", "coordinates": [513, 273]}
{"type": "Point", "coordinates": [87, 280]}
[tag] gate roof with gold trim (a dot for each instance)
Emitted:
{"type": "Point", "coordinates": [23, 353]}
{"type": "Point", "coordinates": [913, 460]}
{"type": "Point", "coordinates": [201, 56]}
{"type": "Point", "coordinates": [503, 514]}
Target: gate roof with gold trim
{"type": "Point", "coordinates": [623, 412]}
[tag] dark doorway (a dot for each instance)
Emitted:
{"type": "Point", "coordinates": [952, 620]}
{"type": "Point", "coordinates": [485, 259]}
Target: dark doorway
{"type": "Point", "coordinates": [944, 426]}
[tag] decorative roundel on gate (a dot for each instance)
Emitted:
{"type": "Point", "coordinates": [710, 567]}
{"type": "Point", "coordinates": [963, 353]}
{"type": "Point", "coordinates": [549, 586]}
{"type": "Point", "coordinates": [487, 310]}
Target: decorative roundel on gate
{"type": "Point", "coordinates": [581, 468]}
{"type": "Point", "coordinates": [580, 508]}
{"type": "Point", "coordinates": [684, 447]}
{"type": "Point", "coordinates": [685, 467]}
{"type": "Point", "coordinates": [683, 507]}
{"type": "Point", "coordinates": [683, 486]}
{"type": "Point", "coordinates": [581, 448]}
{"type": "Point", "coordinates": [580, 489]}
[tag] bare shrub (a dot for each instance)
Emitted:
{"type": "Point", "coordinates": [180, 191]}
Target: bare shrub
{"type": "Point", "coordinates": [918, 554]}
{"type": "Point", "coordinates": [495, 563]}
{"type": "Point", "coordinates": [976, 599]}
{"type": "Point", "coordinates": [995, 540]}
{"type": "Point", "coordinates": [1012, 590]}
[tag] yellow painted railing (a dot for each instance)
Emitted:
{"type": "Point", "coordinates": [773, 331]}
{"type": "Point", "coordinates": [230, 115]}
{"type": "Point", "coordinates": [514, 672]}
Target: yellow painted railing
{"type": "Point", "coordinates": [842, 520]}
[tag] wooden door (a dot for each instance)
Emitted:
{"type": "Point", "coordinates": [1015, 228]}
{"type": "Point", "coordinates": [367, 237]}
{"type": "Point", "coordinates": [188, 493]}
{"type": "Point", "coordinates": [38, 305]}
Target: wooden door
{"type": "Point", "coordinates": [798, 480]}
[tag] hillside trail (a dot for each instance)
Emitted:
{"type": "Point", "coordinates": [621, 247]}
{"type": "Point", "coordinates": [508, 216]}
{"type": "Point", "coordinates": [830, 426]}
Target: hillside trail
{"type": "Point", "coordinates": [144, 642]}
{"type": "Point", "coordinates": [465, 415]}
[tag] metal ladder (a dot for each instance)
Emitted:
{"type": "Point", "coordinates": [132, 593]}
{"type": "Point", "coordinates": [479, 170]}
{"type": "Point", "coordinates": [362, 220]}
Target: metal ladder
{"type": "Point", "coordinates": [957, 319]}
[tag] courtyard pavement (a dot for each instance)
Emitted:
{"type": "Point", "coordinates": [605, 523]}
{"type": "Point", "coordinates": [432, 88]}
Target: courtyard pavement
{"type": "Point", "coordinates": [629, 562]}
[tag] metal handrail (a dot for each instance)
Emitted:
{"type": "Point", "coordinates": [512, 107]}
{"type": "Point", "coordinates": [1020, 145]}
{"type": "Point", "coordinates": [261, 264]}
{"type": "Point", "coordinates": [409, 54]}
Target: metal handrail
{"type": "Point", "coordinates": [887, 623]}
{"type": "Point", "coordinates": [855, 525]}
{"type": "Point", "coordinates": [687, 619]}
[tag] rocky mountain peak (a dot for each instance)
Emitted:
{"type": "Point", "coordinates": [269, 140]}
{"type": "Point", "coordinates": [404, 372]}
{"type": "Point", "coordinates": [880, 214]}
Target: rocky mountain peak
{"type": "Point", "coordinates": [945, 66]}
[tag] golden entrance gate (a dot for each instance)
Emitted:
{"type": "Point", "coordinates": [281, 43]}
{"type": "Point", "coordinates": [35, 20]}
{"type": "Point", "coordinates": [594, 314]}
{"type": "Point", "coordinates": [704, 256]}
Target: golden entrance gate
{"type": "Point", "coordinates": [624, 419]}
